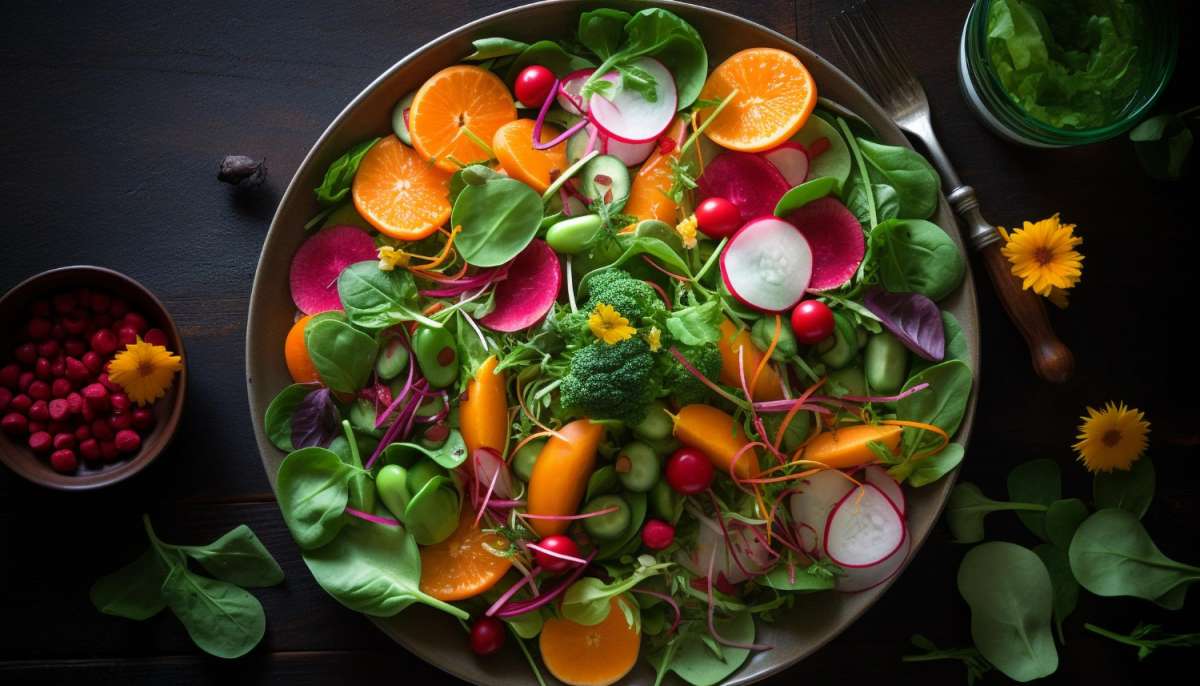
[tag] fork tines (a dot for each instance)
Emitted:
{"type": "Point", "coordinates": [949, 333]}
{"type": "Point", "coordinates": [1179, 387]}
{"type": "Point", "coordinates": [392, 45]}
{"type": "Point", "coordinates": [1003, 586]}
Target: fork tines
{"type": "Point", "coordinates": [868, 46]}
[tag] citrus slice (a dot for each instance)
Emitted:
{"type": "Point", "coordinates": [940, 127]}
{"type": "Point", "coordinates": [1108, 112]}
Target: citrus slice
{"type": "Point", "coordinates": [649, 195]}
{"type": "Point", "coordinates": [775, 96]}
{"type": "Point", "coordinates": [295, 353]}
{"type": "Point", "coordinates": [460, 566]}
{"type": "Point", "coordinates": [596, 655]}
{"type": "Point", "coordinates": [398, 193]}
{"type": "Point", "coordinates": [513, 145]}
{"type": "Point", "coordinates": [456, 113]}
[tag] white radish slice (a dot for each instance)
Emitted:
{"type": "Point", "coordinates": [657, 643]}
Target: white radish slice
{"type": "Point", "coordinates": [710, 546]}
{"type": "Point", "coordinates": [767, 264]}
{"type": "Point", "coordinates": [630, 153]}
{"type": "Point", "coordinates": [811, 507]}
{"type": "Point", "coordinates": [568, 91]}
{"type": "Point", "coordinates": [878, 477]}
{"type": "Point", "coordinates": [864, 529]}
{"type": "Point", "coordinates": [791, 159]}
{"type": "Point", "coordinates": [628, 116]}
{"type": "Point", "coordinates": [855, 579]}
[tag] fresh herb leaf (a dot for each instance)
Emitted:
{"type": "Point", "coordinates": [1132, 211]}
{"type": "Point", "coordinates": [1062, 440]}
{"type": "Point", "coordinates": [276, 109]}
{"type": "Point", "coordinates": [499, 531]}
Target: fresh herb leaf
{"type": "Point", "coordinates": [1131, 490]}
{"type": "Point", "coordinates": [967, 507]}
{"type": "Point", "coordinates": [336, 184]}
{"type": "Point", "coordinates": [1147, 638]}
{"type": "Point", "coordinates": [975, 663]}
{"type": "Point", "coordinates": [1113, 555]}
{"type": "Point", "coordinates": [1035, 481]}
{"type": "Point", "coordinates": [315, 421]}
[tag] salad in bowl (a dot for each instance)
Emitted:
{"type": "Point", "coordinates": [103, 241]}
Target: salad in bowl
{"type": "Point", "coordinates": [616, 354]}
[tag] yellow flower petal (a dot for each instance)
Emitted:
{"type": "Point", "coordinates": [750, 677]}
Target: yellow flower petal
{"type": "Point", "coordinates": [608, 325]}
{"type": "Point", "coordinates": [145, 371]}
{"type": "Point", "coordinates": [654, 338]}
{"type": "Point", "coordinates": [687, 231]}
{"type": "Point", "coordinates": [1112, 438]}
{"type": "Point", "coordinates": [1043, 255]}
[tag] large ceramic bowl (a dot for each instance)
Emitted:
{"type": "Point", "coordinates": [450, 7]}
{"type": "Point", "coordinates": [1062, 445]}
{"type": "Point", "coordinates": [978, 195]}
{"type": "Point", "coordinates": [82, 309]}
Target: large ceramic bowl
{"type": "Point", "coordinates": [435, 637]}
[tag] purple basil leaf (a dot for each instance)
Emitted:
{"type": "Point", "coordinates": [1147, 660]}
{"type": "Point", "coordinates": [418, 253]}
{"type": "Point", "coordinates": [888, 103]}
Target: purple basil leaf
{"type": "Point", "coordinates": [912, 318]}
{"type": "Point", "coordinates": [315, 421]}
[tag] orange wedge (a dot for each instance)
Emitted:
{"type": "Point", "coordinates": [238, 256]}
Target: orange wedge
{"type": "Point", "coordinates": [775, 96]}
{"type": "Point", "coordinates": [597, 655]}
{"type": "Point", "coordinates": [648, 197]}
{"type": "Point", "coordinates": [513, 145]}
{"type": "Point", "coordinates": [398, 193]}
{"type": "Point", "coordinates": [456, 113]}
{"type": "Point", "coordinates": [460, 566]}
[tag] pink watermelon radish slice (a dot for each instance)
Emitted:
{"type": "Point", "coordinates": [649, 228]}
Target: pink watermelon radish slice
{"type": "Point", "coordinates": [628, 116]}
{"type": "Point", "coordinates": [568, 91]}
{"type": "Point", "coordinates": [791, 159]}
{"type": "Point", "coordinates": [748, 181]}
{"type": "Point", "coordinates": [528, 292]}
{"type": "Point", "coordinates": [767, 264]}
{"type": "Point", "coordinates": [836, 239]}
{"type": "Point", "coordinates": [319, 261]}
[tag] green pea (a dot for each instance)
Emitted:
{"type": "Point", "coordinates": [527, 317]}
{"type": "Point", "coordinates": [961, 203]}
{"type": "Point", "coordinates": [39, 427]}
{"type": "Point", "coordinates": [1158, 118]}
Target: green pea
{"type": "Point", "coordinates": [666, 503]}
{"type": "Point", "coordinates": [797, 429]}
{"type": "Point", "coordinates": [638, 467]}
{"type": "Point", "coordinates": [526, 457]}
{"type": "Point", "coordinates": [602, 482]}
{"type": "Point", "coordinates": [392, 360]}
{"type": "Point", "coordinates": [571, 236]}
{"type": "Point", "coordinates": [437, 356]}
{"type": "Point", "coordinates": [849, 378]}
{"type": "Point", "coordinates": [886, 360]}
{"type": "Point", "coordinates": [656, 425]}
{"type": "Point", "coordinates": [392, 486]}
{"type": "Point", "coordinates": [422, 473]}
{"type": "Point", "coordinates": [839, 350]}
{"type": "Point", "coordinates": [764, 330]}
{"type": "Point", "coordinates": [609, 526]}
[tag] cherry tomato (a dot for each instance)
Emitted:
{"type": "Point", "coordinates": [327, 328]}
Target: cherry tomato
{"type": "Point", "coordinates": [812, 322]}
{"type": "Point", "coordinates": [689, 471]}
{"type": "Point", "coordinates": [487, 635]}
{"type": "Point", "coordinates": [559, 544]}
{"type": "Point", "coordinates": [533, 85]}
{"type": "Point", "coordinates": [657, 534]}
{"type": "Point", "coordinates": [718, 218]}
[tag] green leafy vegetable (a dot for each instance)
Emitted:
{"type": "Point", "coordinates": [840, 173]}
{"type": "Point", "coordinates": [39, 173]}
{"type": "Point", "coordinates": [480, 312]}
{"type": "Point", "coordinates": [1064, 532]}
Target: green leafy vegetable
{"type": "Point", "coordinates": [697, 324]}
{"type": "Point", "coordinates": [336, 185]}
{"type": "Point", "coordinates": [801, 195]}
{"type": "Point", "coordinates": [930, 469]}
{"type": "Point", "coordinates": [914, 182]}
{"type": "Point", "coordinates": [550, 55]}
{"type": "Point", "coordinates": [312, 487]}
{"type": "Point", "coordinates": [967, 507]}
{"type": "Point", "coordinates": [956, 345]}
{"type": "Point", "coordinates": [237, 557]}
{"type": "Point", "coordinates": [1062, 519]}
{"type": "Point", "coordinates": [917, 256]}
{"type": "Point", "coordinates": [601, 30]}
{"type": "Point", "coordinates": [221, 618]}
{"type": "Point", "coordinates": [696, 661]}
{"type": "Point", "coordinates": [375, 299]}
{"type": "Point", "coordinates": [450, 454]}
{"type": "Point", "coordinates": [1066, 588]}
{"type": "Point", "coordinates": [491, 48]}
{"type": "Point", "coordinates": [804, 579]}
{"type": "Point", "coordinates": [660, 34]}
{"type": "Point", "coordinates": [133, 591]}
{"type": "Point", "coordinates": [1131, 490]}
{"type": "Point", "coordinates": [498, 219]}
{"type": "Point", "coordinates": [277, 422]}
{"type": "Point", "coordinates": [1147, 638]}
{"type": "Point", "coordinates": [342, 355]}
{"type": "Point", "coordinates": [943, 404]}
{"type": "Point", "coordinates": [1112, 555]}
{"type": "Point", "coordinates": [1035, 481]}
{"type": "Point", "coordinates": [976, 665]}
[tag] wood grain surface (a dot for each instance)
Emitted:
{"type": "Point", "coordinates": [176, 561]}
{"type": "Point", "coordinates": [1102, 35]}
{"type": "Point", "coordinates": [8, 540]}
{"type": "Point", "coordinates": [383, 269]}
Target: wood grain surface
{"type": "Point", "coordinates": [113, 121]}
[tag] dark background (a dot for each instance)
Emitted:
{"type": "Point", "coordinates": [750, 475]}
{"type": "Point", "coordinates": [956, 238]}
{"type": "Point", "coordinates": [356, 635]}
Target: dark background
{"type": "Point", "coordinates": [113, 119]}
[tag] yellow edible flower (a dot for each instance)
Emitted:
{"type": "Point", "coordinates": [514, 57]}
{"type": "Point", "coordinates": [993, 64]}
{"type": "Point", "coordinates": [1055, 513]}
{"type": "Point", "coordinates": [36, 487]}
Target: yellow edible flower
{"type": "Point", "coordinates": [1112, 438]}
{"type": "Point", "coordinates": [144, 370]}
{"type": "Point", "coordinates": [608, 325]}
{"type": "Point", "coordinates": [390, 258]}
{"type": "Point", "coordinates": [687, 231]}
{"type": "Point", "coordinates": [1043, 255]}
{"type": "Point", "coordinates": [654, 338]}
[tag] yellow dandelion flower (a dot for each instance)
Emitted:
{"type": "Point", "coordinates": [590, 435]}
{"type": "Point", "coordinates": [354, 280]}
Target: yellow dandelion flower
{"type": "Point", "coordinates": [1043, 255]}
{"type": "Point", "coordinates": [1060, 297]}
{"type": "Point", "coordinates": [654, 338]}
{"type": "Point", "coordinates": [608, 325]}
{"type": "Point", "coordinates": [144, 370]}
{"type": "Point", "coordinates": [390, 258]}
{"type": "Point", "coordinates": [687, 231]}
{"type": "Point", "coordinates": [1112, 438]}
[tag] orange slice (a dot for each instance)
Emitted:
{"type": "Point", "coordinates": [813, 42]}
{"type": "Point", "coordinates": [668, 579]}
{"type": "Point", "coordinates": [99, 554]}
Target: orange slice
{"type": "Point", "coordinates": [460, 566]}
{"type": "Point", "coordinates": [398, 193]}
{"type": "Point", "coordinates": [598, 655]}
{"type": "Point", "coordinates": [775, 96]}
{"type": "Point", "coordinates": [454, 105]}
{"type": "Point", "coordinates": [295, 353]}
{"type": "Point", "coordinates": [513, 145]}
{"type": "Point", "coordinates": [648, 197]}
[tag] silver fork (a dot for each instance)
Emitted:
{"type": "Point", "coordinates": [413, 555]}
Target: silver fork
{"type": "Point", "coordinates": [882, 68]}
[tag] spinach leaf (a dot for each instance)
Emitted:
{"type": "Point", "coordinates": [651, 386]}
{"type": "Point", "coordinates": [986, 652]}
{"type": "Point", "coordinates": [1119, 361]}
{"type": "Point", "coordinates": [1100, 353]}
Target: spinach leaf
{"type": "Point", "coordinates": [663, 35]}
{"type": "Point", "coordinates": [133, 591]}
{"type": "Point", "coordinates": [967, 507]}
{"type": "Point", "coordinates": [601, 30]}
{"type": "Point", "coordinates": [915, 182]}
{"type": "Point", "coordinates": [491, 48]}
{"type": "Point", "coordinates": [312, 486]}
{"type": "Point", "coordinates": [1063, 517]}
{"type": "Point", "coordinates": [810, 190]}
{"type": "Point", "coordinates": [375, 299]}
{"type": "Point", "coordinates": [450, 454]}
{"type": "Point", "coordinates": [1063, 583]}
{"type": "Point", "coordinates": [887, 201]}
{"type": "Point", "coordinates": [804, 580]}
{"type": "Point", "coordinates": [277, 422]}
{"type": "Point", "coordinates": [697, 324]}
{"type": "Point", "coordinates": [588, 600]}
{"type": "Point", "coordinates": [237, 557]}
{"type": "Point", "coordinates": [1163, 144]}
{"type": "Point", "coordinates": [930, 469]}
{"type": "Point", "coordinates": [694, 659]}
{"type": "Point", "coordinates": [373, 569]}
{"type": "Point", "coordinates": [1035, 481]}
{"type": "Point", "coordinates": [315, 421]}
{"type": "Point", "coordinates": [1112, 555]}
{"type": "Point", "coordinates": [1131, 490]}
{"type": "Point", "coordinates": [943, 404]}
{"type": "Point", "coordinates": [912, 318]}
{"type": "Point", "coordinates": [336, 185]}
{"type": "Point", "coordinates": [221, 618]}
{"type": "Point", "coordinates": [917, 255]}
{"type": "Point", "coordinates": [498, 219]}
{"type": "Point", "coordinates": [644, 245]}
{"type": "Point", "coordinates": [956, 345]}
{"type": "Point", "coordinates": [550, 55]}
{"type": "Point", "coordinates": [1011, 600]}
{"type": "Point", "coordinates": [343, 355]}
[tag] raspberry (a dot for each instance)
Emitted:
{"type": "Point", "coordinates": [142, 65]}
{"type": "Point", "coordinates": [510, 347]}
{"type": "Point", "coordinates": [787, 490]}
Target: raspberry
{"type": "Point", "coordinates": [25, 381]}
{"type": "Point", "coordinates": [65, 302]}
{"type": "Point", "coordinates": [64, 441]}
{"type": "Point", "coordinates": [76, 371]}
{"type": "Point", "coordinates": [109, 383]}
{"type": "Point", "coordinates": [104, 342]}
{"type": "Point", "coordinates": [119, 402]}
{"type": "Point", "coordinates": [75, 323]}
{"type": "Point", "coordinates": [59, 410]}
{"type": "Point", "coordinates": [58, 368]}
{"type": "Point", "coordinates": [39, 329]}
{"type": "Point", "coordinates": [39, 390]}
{"type": "Point", "coordinates": [41, 368]}
{"type": "Point", "coordinates": [90, 449]}
{"type": "Point", "coordinates": [93, 362]}
{"type": "Point", "coordinates": [96, 396]}
{"type": "Point", "coordinates": [101, 430]}
{"type": "Point", "coordinates": [39, 411]}
{"type": "Point", "coordinates": [74, 403]}
{"type": "Point", "coordinates": [120, 422]}
{"type": "Point", "coordinates": [26, 354]}
{"type": "Point", "coordinates": [14, 424]}
{"type": "Point", "coordinates": [21, 403]}
{"type": "Point", "coordinates": [10, 375]}
{"type": "Point", "coordinates": [40, 442]}
{"type": "Point", "coordinates": [59, 388]}
{"type": "Point", "coordinates": [82, 433]}
{"type": "Point", "coordinates": [64, 461]}
{"type": "Point", "coordinates": [117, 307]}
{"type": "Point", "coordinates": [128, 441]}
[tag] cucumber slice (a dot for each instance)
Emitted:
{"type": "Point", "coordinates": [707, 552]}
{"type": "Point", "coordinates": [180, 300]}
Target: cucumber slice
{"type": "Point", "coordinates": [576, 145]}
{"type": "Point", "coordinates": [400, 121]}
{"type": "Point", "coordinates": [618, 180]}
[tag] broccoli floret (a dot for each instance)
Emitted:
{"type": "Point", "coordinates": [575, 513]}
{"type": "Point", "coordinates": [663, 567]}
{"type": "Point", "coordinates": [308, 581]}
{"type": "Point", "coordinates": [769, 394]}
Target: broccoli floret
{"type": "Point", "coordinates": [611, 381]}
{"type": "Point", "coordinates": [681, 385]}
{"type": "Point", "coordinates": [634, 299]}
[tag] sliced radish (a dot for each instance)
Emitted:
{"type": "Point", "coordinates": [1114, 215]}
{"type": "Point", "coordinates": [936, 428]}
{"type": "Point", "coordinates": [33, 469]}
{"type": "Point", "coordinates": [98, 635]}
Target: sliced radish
{"type": "Point", "coordinates": [744, 179]}
{"type": "Point", "coordinates": [864, 529]}
{"type": "Point", "coordinates": [791, 159]}
{"type": "Point", "coordinates": [811, 507]}
{"type": "Point", "coordinates": [526, 294]}
{"type": "Point", "coordinates": [568, 91]}
{"type": "Point", "coordinates": [878, 477]}
{"type": "Point", "coordinates": [629, 117]}
{"type": "Point", "coordinates": [836, 239]}
{"type": "Point", "coordinates": [767, 264]}
{"type": "Point", "coordinates": [752, 556]}
{"type": "Point", "coordinates": [855, 579]}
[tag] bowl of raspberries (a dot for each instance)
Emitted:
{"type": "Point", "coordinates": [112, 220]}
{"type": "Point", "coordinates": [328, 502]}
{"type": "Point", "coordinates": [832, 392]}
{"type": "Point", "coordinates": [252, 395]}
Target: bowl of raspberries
{"type": "Point", "coordinates": [92, 378]}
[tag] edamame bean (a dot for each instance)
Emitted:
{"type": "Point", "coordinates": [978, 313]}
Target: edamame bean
{"type": "Point", "coordinates": [602, 482]}
{"type": "Point", "coordinates": [362, 417]}
{"type": "Point", "coordinates": [665, 502]}
{"type": "Point", "coordinates": [839, 350]}
{"type": "Point", "coordinates": [420, 474]}
{"type": "Point", "coordinates": [526, 457]}
{"type": "Point", "coordinates": [851, 379]}
{"type": "Point", "coordinates": [886, 360]}
{"type": "Point", "coordinates": [609, 526]}
{"type": "Point", "coordinates": [437, 356]}
{"type": "Point", "coordinates": [392, 486]}
{"type": "Point", "coordinates": [392, 360]}
{"type": "Point", "coordinates": [571, 236]}
{"type": "Point", "coordinates": [656, 425]}
{"type": "Point", "coordinates": [638, 467]}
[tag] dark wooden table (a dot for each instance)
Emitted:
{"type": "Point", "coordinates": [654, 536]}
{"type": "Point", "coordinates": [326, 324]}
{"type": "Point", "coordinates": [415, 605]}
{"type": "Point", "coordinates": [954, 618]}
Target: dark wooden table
{"type": "Point", "coordinates": [113, 120]}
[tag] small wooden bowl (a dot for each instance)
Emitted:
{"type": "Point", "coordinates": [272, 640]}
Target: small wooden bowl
{"type": "Point", "coordinates": [14, 309]}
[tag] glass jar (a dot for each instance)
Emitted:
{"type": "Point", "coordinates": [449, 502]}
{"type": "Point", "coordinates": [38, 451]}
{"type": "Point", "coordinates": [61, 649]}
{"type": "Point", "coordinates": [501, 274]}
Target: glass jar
{"type": "Point", "coordinates": [1002, 114]}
